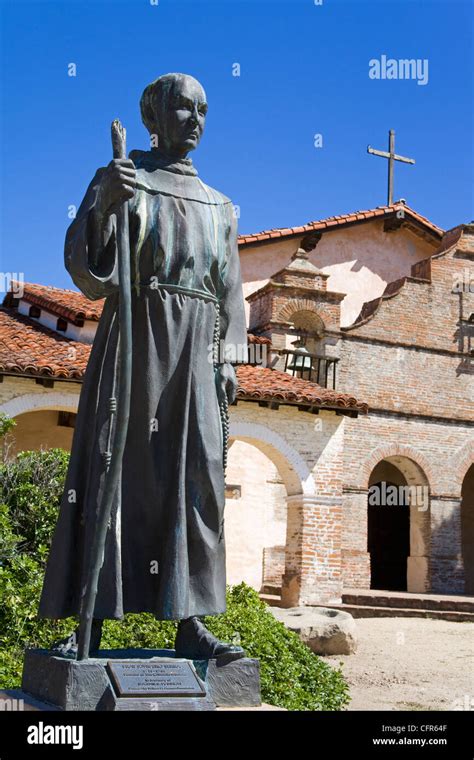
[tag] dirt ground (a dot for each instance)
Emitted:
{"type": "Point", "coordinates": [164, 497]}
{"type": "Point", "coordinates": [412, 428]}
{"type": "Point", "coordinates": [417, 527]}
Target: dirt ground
{"type": "Point", "coordinates": [411, 664]}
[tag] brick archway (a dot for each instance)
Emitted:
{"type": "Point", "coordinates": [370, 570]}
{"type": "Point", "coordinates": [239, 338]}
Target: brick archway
{"type": "Point", "coordinates": [291, 307]}
{"type": "Point", "coordinates": [294, 471]}
{"type": "Point", "coordinates": [418, 473]}
{"type": "Point", "coordinates": [387, 451]}
{"type": "Point", "coordinates": [463, 484]}
{"type": "Point", "coordinates": [461, 461]}
{"type": "Point", "coordinates": [312, 544]}
{"type": "Point", "coordinates": [271, 474]}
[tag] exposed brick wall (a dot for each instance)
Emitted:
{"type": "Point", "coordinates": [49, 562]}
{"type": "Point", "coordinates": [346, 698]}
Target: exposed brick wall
{"type": "Point", "coordinates": [274, 565]}
{"type": "Point", "coordinates": [279, 305]}
{"type": "Point", "coordinates": [435, 447]}
{"type": "Point", "coordinates": [414, 381]}
{"type": "Point", "coordinates": [307, 450]}
{"type": "Point", "coordinates": [426, 314]}
{"type": "Point", "coordinates": [408, 360]}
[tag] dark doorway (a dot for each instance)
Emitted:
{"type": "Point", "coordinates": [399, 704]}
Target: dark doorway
{"type": "Point", "coordinates": [467, 530]}
{"type": "Point", "coordinates": [388, 535]}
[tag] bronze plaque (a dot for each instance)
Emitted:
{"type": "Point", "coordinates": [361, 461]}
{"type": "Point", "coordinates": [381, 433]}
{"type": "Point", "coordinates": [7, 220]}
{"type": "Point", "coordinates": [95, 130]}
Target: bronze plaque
{"type": "Point", "coordinates": [152, 678]}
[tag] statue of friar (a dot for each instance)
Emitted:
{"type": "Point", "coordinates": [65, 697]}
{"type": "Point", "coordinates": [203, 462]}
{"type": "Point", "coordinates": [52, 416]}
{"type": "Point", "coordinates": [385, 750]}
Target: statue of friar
{"type": "Point", "coordinates": [164, 551]}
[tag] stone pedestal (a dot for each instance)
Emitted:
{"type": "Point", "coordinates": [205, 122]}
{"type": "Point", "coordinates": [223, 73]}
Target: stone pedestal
{"type": "Point", "coordinates": [71, 685]}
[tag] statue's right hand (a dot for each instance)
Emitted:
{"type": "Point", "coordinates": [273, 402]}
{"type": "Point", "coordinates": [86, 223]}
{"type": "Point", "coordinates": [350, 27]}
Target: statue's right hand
{"type": "Point", "coordinates": [117, 184]}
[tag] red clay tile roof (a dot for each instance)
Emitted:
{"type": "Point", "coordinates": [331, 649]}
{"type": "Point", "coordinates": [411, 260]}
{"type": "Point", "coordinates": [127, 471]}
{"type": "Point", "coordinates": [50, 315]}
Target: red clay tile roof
{"type": "Point", "coordinates": [265, 384]}
{"type": "Point", "coordinates": [74, 306]}
{"type": "Point", "coordinates": [331, 222]}
{"type": "Point", "coordinates": [259, 339]}
{"type": "Point", "coordinates": [29, 348]}
{"type": "Point", "coordinates": [69, 304]}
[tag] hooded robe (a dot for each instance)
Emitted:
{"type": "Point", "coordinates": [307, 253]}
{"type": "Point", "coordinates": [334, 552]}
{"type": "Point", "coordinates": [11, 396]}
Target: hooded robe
{"type": "Point", "coordinates": [165, 551]}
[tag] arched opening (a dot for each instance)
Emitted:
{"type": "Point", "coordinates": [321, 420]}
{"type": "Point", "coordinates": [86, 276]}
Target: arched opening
{"type": "Point", "coordinates": [308, 323]}
{"type": "Point", "coordinates": [306, 355]}
{"type": "Point", "coordinates": [264, 475]}
{"type": "Point", "coordinates": [388, 533]}
{"type": "Point", "coordinates": [255, 519]}
{"type": "Point", "coordinates": [42, 429]}
{"type": "Point", "coordinates": [398, 526]}
{"type": "Point", "coordinates": [467, 529]}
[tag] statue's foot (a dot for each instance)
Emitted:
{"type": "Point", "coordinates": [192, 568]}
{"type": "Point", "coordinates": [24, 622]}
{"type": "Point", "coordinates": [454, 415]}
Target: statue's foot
{"type": "Point", "coordinates": [195, 642]}
{"type": "Point", "coordinates": [67, 647]}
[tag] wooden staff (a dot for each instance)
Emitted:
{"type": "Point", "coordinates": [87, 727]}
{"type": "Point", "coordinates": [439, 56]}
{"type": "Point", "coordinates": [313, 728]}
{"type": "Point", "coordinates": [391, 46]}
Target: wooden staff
{"type": "Point", "coordinates": [119, 410]}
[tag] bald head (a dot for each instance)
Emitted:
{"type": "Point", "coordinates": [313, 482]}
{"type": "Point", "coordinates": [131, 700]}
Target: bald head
{"type": "Point", "coordinates": [174, 108]}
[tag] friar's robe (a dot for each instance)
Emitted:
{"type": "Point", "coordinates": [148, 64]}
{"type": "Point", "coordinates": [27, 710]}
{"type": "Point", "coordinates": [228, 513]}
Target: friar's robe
{"type": "Point", "coordinates": [165, 551]}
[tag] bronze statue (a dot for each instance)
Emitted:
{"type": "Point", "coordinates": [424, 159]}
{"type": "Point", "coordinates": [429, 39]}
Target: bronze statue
{"type": "Point", "coordinates": [164, 550]}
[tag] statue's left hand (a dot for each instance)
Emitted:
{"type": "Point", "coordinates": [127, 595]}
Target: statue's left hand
{"type": "Point", "coordinates": [226, 382]}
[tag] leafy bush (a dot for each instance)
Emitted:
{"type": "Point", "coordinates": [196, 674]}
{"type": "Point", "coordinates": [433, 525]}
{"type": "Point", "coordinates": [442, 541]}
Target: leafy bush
{"type": "Point", "coordinates": [6, 424]}
{"type": "Point", "coordinates": [30, 490]}
{"type": "Point", "coordinates": [6, 439]}
{"type": "Point", "coordinates": [291, 675]}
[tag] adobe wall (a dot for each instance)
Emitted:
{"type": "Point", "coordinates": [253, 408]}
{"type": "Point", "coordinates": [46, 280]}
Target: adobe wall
{"type": "Point", "coordinates": [359, 260]}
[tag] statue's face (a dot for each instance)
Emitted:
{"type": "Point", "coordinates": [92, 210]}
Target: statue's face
{"type": "Point", "coordinates": [184, 117]}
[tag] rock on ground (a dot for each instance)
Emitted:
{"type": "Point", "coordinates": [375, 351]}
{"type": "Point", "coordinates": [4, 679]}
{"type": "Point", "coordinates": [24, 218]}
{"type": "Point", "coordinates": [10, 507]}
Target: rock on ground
{"type": "Point", "coordinates": [325, 631]}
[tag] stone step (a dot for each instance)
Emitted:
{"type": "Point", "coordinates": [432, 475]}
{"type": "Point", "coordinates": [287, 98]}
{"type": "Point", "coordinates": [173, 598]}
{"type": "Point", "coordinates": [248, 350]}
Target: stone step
{"type": "Point", "coordinates": [373, 603]}
{"type": "Point", "coordinates": [366, 611]}
{"type": "Point", "coordinates": [404, 600]}
{"type": "Point", "coordinates": [271, 588]}
{"type": "Point", "coordinates": [271, 599]}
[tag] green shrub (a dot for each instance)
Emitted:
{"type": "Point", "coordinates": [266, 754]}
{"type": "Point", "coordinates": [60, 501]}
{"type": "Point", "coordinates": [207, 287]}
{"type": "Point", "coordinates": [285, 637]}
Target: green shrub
{"type": "Point", "coordinates": [30, 490]}
{"type": "Point", "coordinates": [6, 424]}
{"type": "Point", "coordinates": [292, 676]}
{"type": "Point", "coordinates": [6, 439]}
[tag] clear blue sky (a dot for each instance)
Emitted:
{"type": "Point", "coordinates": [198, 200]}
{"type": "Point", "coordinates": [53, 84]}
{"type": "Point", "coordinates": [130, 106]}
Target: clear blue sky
{"type": "Point", "coordinates": [304, 70]}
